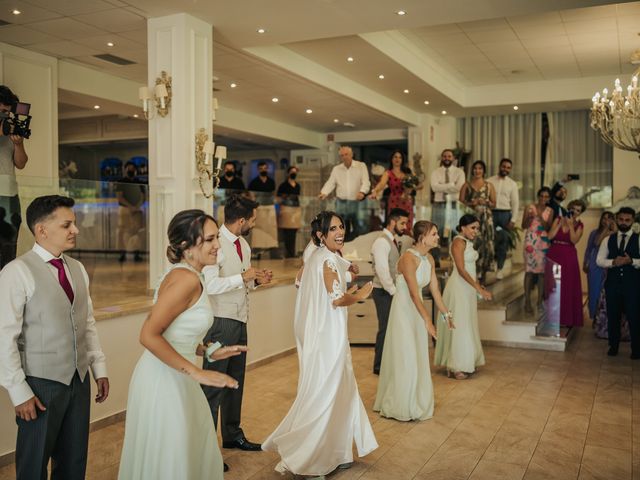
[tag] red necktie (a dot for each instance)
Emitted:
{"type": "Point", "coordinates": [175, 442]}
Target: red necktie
{"type": "Point", "coordinates": [238, 248]}
{"type": "Point", "coordinates": [62, 277]}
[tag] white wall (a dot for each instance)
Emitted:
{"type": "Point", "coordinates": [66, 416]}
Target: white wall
{"type": "Point", "coordinates": [626, 172]}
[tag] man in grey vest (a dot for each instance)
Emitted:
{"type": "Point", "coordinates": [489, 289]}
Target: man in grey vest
{"type": "Point", "coordinates": [228, 285]}
{"type": "Point", "coordinates": [385, 252]}
{"type": "Point", "coordinates": [48, 344]}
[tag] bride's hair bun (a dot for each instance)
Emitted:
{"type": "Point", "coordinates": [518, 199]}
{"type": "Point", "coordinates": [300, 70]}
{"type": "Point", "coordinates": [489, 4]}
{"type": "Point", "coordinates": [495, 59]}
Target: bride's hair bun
{"type": "Point", "coordinates": [174, 253]}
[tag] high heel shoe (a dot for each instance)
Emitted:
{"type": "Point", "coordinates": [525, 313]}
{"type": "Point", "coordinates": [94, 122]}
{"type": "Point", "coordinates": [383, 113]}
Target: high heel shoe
{"type": "Point", "coordinates": [457, 375]}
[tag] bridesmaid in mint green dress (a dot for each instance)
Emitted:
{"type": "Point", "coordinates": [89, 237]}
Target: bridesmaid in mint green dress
{"type": "Point", "coordinates": [460, 350]}
{"type": "Point", "coordinates": [169, 431]}
{"type": "Point", "coordinates": [405, 391]}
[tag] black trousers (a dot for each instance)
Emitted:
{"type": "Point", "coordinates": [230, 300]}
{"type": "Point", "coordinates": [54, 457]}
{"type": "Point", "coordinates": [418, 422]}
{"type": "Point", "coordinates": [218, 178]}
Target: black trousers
{"type": "Point", "coordinates": [289, 237]}
{"type": "Point", "coordinates": [623, 297]}
{"type": "Point", "coordinates": [60, 433]}
{"type": "Point", "coordinates": [229, 401]}
{"type": "Point", "coordinates": [501, 219]}
{"type": "Point", "coordinates": [9, 228]}
{"type": "Point", "coordinates": [382, 300]}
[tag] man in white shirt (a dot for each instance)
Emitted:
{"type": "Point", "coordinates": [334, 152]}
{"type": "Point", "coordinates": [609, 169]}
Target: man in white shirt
{"type": "Point", "coordinates": [446, 182]}
{"type": "Point", "coordinates": [505, 212]}
{"type": "Point", "coordinates": [228, 284]}
{"type": "Point", "coordinates": [619, 253]}
{"type": "Point", "coordinates": [385, 252]}
{"type": "Point", "coordinates": [48, 343]}
{"type": "Point", "coordinates": [350, 179]}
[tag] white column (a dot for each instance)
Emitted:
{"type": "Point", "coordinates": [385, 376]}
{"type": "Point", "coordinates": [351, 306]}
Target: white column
{"type": "Point", "coordinates": [181, 45]}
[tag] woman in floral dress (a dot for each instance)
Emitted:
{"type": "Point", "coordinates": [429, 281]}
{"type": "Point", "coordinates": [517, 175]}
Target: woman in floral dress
{"type": "Point", "coordinates": [536, 222]}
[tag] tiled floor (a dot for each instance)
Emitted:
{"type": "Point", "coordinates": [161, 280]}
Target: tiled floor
{"type": "Point", "coordinates": [526, 415]}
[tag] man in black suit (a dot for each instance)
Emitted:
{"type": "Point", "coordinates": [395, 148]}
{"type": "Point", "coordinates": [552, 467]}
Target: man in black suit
{"type": "Point", "coordinates": [620, 255]}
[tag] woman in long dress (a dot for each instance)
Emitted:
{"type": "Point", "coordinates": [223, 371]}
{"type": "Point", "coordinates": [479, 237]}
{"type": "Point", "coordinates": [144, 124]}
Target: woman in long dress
{"type": "Point", "coordinates": [169, 431]}
{"type": "Point", "coordinates": [596, 274]}
{"type": "Point", "coordinates": [405, 390]}
{"type": "Point", "coordinates": [565, 233]}
{"type": "Point", "coordinates": [459, 349]}
{"type": "Point", "coordinates": [479, 196]}
{"type": "Point", "coordinates": [536, 222]}
{"type": "Point", "coordinates": [317, 434]}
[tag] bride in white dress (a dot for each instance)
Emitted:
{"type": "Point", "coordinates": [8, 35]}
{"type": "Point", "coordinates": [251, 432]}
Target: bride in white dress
{"type": "Point", "coordinates": [169, 432]}
{"type": "Point", "coordinates": [327, 416]}
{"type": "Point", "coordinates": [405, 390]}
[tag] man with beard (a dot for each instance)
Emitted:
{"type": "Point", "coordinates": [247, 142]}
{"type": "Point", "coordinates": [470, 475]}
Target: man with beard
{"type": "Point", "coordinates": [262, 183]}
{"type": "Point", "coordinates": [228, 284]}
{"type": "Point", "coordinates": [506, 211]}
{"type": "Point", "coordinates": [620, 255]}
{"type": "Point", "coordinates": [229, 181]}
{"type": "Point", "coordinates": [385, 252]}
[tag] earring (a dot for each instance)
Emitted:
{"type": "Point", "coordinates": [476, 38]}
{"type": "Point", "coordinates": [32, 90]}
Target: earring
{"type": "Point", "coordinates": [189, 255]}
{"type": "Point", "coordinates": [321, 243]}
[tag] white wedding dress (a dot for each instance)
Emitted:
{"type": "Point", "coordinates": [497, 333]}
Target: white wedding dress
{"type": "Point", "coordinates": [169, 431]}
{"type": "Point", "coordinates": [327, 416]}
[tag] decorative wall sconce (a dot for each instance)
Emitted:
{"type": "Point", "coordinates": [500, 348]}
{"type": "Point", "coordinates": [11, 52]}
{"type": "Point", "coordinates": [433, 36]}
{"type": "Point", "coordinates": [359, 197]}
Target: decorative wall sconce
{"type": "Point", "coordinates": [160, 99]}
{"type": "Point", "coordinates": [207, 173]}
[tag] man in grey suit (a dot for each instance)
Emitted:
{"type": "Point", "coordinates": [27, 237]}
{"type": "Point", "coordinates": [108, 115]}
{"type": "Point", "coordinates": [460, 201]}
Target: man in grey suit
{"type": "Point", "coordinates": [48, 344]}
{"type": "Point", "coordinates": [228, 284]}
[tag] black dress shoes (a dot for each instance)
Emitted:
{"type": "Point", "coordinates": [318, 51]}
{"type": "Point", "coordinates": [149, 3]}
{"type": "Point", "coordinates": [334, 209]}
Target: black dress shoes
{"type": "Point", "coordinates": [243, 444]}
{"type": "Point", "coordinates": [612, 352]}
{"type": "Point", "coordinates": [226, 467]}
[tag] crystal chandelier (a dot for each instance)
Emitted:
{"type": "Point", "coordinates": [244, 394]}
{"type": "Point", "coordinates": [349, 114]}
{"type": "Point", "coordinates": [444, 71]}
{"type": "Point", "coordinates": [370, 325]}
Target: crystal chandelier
{"type": "Point", "coordinates": [617, 117]}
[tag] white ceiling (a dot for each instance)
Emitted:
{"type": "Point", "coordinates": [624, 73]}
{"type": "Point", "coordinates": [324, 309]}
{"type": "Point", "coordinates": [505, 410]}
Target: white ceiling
{"type": "Point", "coordinates": [476, 42]}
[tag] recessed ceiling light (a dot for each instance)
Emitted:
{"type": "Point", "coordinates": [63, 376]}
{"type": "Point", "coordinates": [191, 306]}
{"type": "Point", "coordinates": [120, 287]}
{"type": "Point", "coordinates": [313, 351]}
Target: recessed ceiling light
{"type": "Point", "coordinates": [444, 112]}
{"type": "Point", "coordinates": [401, 13]}
{"type": "Point", "coordinates": [349, 59]}
{"type": "Point", "coordinates": [406, 90]}
{"type": "Point", "coordinates": [261, 30]}
{"type": "Point", "coordinates": [15, 11]}
{"type": "Point", "coordinates": [381, 77]}
{"type": "Point", "coordinates": [336, 120]}
{"type": "Point", "coordinates": [349, 124]}
{"type": "Point", "coordinates": [308, 110]}
{"type": "Point", "coordinates": [233, 85]}
{"type": "Point", "coordinates": [96, 107]}
{"type": "Point", "coordinates": [275, 100]}
{"type": "Point", "coordinates": [515, 107]}
{"type": "Point", "coordinates": [135, 115]}
{"type": "Point", "coordinates": [426, 102]}
{"type": "Point", "coordinates": [110, 44]}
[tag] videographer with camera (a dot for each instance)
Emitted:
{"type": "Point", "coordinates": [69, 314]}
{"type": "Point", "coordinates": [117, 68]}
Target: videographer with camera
{"type": "Point", "coordinates": [12, 156]}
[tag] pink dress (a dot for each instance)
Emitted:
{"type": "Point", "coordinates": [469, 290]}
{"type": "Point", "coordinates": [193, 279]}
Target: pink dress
{"type": "Point", "coordinates": [564, 253]}
{"type": "Point", "coordinates": [536, 241]}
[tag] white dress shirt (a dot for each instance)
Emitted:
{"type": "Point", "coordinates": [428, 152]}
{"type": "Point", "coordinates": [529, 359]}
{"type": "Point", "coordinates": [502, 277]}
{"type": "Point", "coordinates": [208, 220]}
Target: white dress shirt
{"type": "Point", "coordinates": [380, 252]}
{"type": "Point", "coordinates": [17, 286]}
{"type": "Point", "coordinates": [214, 282]}
{"type": "Point", "coordinates": [348, 182]}
{"type": "Point", "coordinates": [603, 252]}
{"type": "Point", "coordinates": [506, 195]}
{"type": "Point", "coordinates": [447, 191]}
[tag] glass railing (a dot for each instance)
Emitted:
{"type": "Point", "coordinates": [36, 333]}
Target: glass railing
{"type": "Point", "coordinates": [549, 322]}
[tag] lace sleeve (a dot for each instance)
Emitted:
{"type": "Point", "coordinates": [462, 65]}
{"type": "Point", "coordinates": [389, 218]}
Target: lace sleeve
{"type": "Point", "coordinates": [331, 280]}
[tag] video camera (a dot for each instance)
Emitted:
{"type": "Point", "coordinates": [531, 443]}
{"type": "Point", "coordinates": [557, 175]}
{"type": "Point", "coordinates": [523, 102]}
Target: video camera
{"type": "Point", "coordinates": [16, 121]}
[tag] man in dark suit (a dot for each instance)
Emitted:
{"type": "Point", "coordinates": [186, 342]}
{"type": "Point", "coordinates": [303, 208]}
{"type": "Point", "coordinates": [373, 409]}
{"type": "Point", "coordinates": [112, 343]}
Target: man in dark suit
{"type": "Point", "coordinates": [620, 254]}
{"type": "Point", "coordinates": [44, 365]}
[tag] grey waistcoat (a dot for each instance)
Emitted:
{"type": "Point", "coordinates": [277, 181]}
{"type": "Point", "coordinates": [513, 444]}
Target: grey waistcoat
{"type": "Point", "coordinates": [52, 344]}
{"type": "Point", "coordinates": [394, 255]}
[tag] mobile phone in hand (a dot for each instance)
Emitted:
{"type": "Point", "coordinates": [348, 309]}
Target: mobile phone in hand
{"type": "Point", "coordinates": [573, 176]}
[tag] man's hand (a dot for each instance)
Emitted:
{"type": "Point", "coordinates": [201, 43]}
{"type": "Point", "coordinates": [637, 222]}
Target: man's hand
{"type": "Point", "coordinates": [28, 410]}
{"type": "Point", "coordinates": [511, 226]}
{"type": "Point", "coordinates": [622, 260]}
{"type": "Point", "coordinates": [322, 196]}
{"type": "Point", "coordinates": [263, 276]}
{"type": "Point", "coordinates": [103, 389]}
{"type": "Point", "coordinates": [359, 196]}
{"type": "Point", "coordinates": [16, 139]}
{"type": "Point", "coordinates": [249, 274]}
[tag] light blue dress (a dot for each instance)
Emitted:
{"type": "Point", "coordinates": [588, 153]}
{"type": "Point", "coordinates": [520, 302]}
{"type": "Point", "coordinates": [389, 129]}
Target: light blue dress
{"type": "Point", "coordinates": [405, 390]}
{"type": "Point", "coordinates": [169, 431]}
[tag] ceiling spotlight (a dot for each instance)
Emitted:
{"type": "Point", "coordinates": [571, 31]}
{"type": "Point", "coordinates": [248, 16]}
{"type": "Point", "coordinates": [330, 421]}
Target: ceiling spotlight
{"type": "Point", "coordinates": [401, 13]}
{"type": "Point", "coordinates": [515, 107]}
{"type": "Point", "coordinates": [135, 115]}
{"type": "Point", "coordinates": [381, 77]}
{"type": "Point", "coordinates": [406, 90]}
{"type": "Point", "coordinates": [308, 110]}
{"type": "Point", "coordinates": [349, 124]}
{"type": "Point", "coordinates": [96, 107]}
{"type": "Point", "coordinates": [15, 11]}
{"type": "Point", "coordinates": [261, 30]}
{"type": "Point", "coordinates": [275, 100]}
{"type": "Point", "coordinates": [350, 59]}
{"type": "Point", "coordinates": [336, 120]}
{"type": "Point", "coordinates": [233, 85]}
{"type": "Point", "coordinates": [444, 112]}
{"type": "Point", "coordinates": [110, 44]}
{"type": "Point", "coordinates": [426, 102]}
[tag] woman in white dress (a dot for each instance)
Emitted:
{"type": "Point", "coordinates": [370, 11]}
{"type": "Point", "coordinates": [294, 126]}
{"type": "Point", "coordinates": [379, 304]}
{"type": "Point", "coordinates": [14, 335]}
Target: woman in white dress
{"type": "Point", "coordinates": [405, 391]}
{"type": "Point", "coordinates": [317, 434]}
{"type": "Point", "coordinates": [169, 431]}
{"type": "Point", "coordinates": [460, 350]}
